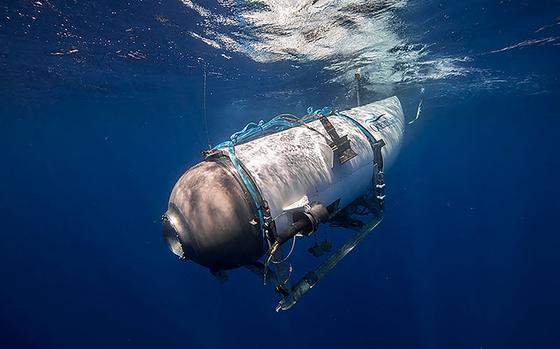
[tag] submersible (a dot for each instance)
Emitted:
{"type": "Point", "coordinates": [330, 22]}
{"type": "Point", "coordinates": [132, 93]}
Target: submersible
{"type": "Point", "coordinates": [279, 181]}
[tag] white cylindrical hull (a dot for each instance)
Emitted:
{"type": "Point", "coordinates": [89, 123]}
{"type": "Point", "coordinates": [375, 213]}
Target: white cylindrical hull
{"type": "Point", "coordinates": [294, 167]}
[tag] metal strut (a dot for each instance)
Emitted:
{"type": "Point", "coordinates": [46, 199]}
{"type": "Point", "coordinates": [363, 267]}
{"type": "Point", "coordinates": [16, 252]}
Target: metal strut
{"type": "Point", "coordinates": [310, 279]}
{"type": "Point", "coordinates": [293, 295]}
{"type": "Point", "coordinates": [339, 145]}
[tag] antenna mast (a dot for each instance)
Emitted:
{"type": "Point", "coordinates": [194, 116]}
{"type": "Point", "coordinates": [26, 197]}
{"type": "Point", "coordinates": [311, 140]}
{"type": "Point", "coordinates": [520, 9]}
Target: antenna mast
{"type": "Point", "coordinates": [357, 77]}
{"type": "Point", "coordinates": [205, 76]}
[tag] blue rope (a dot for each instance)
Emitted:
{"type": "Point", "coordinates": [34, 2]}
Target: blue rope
{"type": "Point", "coordinates": [253, 131]}
{"type": "Point", "coordinates": [280, 123]}
{"type": "Point", "coordinates": [248, 184]}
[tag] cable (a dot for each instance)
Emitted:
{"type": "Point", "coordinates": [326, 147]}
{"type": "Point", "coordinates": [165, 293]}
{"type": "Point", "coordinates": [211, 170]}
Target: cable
{"type": "Point", "coordinates": [271, 251]}
{"type": "Point", "coordinates": [357, 77]}
{"type": "Point", "coordinates": [302, 122]}
{"type": "Point", "coordinates": [418, 111]}
{"type": "Point", "coordinates": [204, 108]}
{"type": "Point", "coordinates": [289, 253]}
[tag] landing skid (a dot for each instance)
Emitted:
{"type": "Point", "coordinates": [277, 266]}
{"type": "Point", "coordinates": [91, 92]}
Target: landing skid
{"type": "Point", "coordinates": [371, 205]}
{"type": "Point", "coordinates": [307, 282]}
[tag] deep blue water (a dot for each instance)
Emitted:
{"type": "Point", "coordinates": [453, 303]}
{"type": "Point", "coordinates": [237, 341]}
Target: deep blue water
{"type": "Point", "coordinates": [93, 140]}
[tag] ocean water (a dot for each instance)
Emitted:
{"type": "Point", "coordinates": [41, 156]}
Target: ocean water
{"type": "Point", "coordinates": [102, 110]}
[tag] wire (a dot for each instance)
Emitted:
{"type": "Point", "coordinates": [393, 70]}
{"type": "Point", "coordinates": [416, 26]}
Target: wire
{"type": "Point", "coordinates": [289, 275]}
{"type": "Point", "coordinates": [204, 107]}
{"type": "Point", "coordinates": [418, 111]}
{"type": "Point", "coordinates": [271, 251]}
{"type": "Point", "coordinates": [357, 77]}
{"type": "Point", "coordinates": [289, 253]}
{"type": "Point", "coordinates": [301, 122]}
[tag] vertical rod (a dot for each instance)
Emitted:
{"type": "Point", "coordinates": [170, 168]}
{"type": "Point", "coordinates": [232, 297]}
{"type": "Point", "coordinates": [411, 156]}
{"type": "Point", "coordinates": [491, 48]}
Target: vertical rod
{"type": "Point", "coordinates": [204, 107]}
{"type": "Point", "coordinates": [307, 282]}
{"type": "Point", "coordinates": [357, 76]}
